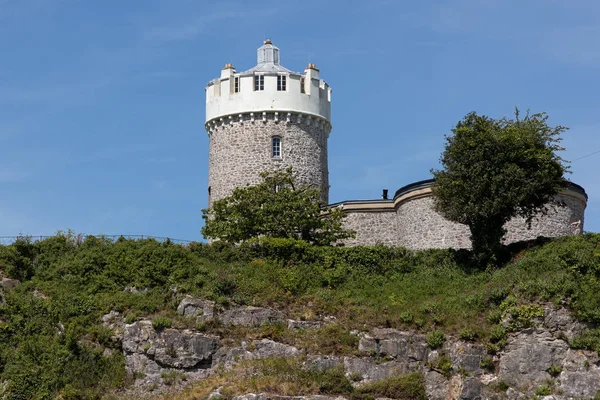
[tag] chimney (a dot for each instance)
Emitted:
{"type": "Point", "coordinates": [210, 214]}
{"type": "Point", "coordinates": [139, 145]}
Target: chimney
{"type": "Point", "coordinates": [384, 196]}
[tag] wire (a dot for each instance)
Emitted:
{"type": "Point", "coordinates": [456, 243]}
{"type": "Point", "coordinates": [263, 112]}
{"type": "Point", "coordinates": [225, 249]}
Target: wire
{"type": "Point", "coordinates": [587, 155]}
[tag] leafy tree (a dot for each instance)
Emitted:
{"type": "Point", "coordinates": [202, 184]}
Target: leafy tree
{"type": "Point", "coordinates": [277, 207]}
{"type": "Point", "coordinates": [494, 170]}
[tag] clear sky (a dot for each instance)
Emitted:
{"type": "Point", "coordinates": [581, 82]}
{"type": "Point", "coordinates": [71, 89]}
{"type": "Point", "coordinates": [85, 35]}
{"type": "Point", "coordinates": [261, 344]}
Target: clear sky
{"type": "Point", "coordinates": [102, 102]}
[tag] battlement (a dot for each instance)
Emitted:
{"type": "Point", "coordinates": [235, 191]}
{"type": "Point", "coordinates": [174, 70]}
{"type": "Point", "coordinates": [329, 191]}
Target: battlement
{"type": "Point", "coordinates": [268, 87]}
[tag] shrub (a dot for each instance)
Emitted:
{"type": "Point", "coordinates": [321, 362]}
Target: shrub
{"type": "Point", "coordinates": [161, 322]}
{"type": "Point", "coordinates": [543, 390]}
{"type": "Point", "coordinates": [588, 340]}
{"type": "Point", "coordinates": [435, 339]}
{"type": "Point", "coordinates": [468, 335]}
{"type": "Point", "coordinates": [443, 364]}
{"type": "Point", "coordinates": [554, 370]}
{"type": "Point", "coordinates": [487, 363]}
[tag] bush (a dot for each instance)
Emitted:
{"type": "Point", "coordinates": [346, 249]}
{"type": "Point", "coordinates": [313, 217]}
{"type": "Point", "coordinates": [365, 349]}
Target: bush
{"type": "Point", "coordinates": [554, 370]}
{"type": "Point", "coordinates": [468, 335]}
{"type": "Point", "coordinates": [435, 339]}
{"type": "Point", "coordinates": [161, 322]}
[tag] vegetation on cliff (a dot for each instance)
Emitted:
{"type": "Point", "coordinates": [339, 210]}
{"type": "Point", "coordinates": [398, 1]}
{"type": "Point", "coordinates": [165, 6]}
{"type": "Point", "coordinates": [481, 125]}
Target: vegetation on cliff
{"type": "Point", "coordinates": [52, 341]}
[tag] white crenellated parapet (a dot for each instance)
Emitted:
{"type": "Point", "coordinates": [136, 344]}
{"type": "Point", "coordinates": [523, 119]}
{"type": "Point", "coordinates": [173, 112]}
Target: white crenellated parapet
{"type": "Point", "coordinates": [250, 118]}
{"type": "Point", "coordinates": [234, 93]}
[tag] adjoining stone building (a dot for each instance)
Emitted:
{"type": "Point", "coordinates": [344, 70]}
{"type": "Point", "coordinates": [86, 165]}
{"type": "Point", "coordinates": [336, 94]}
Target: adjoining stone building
{"type": "Point", "coordinates": [269, 117]}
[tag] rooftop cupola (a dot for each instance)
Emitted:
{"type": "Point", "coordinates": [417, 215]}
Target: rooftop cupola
{"type": "Point", "coordinates": [268, 53]}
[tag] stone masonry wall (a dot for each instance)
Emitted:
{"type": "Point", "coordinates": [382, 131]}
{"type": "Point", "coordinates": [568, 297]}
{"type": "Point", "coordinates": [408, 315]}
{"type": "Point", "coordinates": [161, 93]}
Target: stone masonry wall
{"type": "Point", "coordinates": [564, 218]}
{"type": "Point", "coordinates": [372, 228]}
{"type": "Point", "coordinates": [416, 226]}
{"type": "Point", "coordinates": [420, 227]}
{"type": "Point", "coordinates": [240, 151]}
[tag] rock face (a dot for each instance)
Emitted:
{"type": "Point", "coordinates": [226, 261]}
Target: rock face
{"type": "Point", "coordinates": [252, 316]}
{"type": "Point", "coordinates": [532, 358]}
{"type": "Point", "coordinates": [170, 347]}
{"type": "Point", "coordinates": [528, 356]}
{"type": "Point", "coordinates": [203, 310]}
{"type": "Point", "coordinates": [154, 356]}
{"type": "Point", "coordinates": [257, 349]}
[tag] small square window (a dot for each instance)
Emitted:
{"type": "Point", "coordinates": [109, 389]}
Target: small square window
{"type": "Point", "coordinates": [281, 83]}
{"type": "Point", "coordinates": [276, 147]}
{"type": "Point", "coordinates": [259, 82]}
{"type": "Point", "coordinates": [236, 84]}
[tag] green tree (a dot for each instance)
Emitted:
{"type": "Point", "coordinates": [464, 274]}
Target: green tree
{"type": "Point", "coordinates": [276, 207]}
{"type": "Point", "coordinates": [494, 170]}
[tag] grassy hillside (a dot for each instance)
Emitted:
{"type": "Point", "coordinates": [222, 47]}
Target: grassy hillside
{"type": "Point", "coordinates": [52, 341]}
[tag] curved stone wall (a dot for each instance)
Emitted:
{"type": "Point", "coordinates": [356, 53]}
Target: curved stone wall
{"type": "Point", "coordinates": [409, 220]}
{"type": "Point", "coordinates": [240, 149]}
{"type": "Point", "coordinates": [374, 227]}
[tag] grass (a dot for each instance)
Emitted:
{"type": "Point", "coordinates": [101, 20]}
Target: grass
{"type": "Point", "coordinates": [289, 377]}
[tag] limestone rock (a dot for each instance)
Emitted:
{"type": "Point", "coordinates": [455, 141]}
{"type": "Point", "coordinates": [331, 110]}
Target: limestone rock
{"type": "Point", "coordinates": [171, 347]}
{"type": "Point", "coordinates": [266, 348]}
{"type": "Point", "coordinates": [512, 394]}
{"type": "Point", "coordinates": [228, 356]}
{"type": "Point", "coordinates": [9, 284]}
{"type": "Point", "coordinates": [252, 316]}
{"type": "Point", "coordinates": [204, 310]}
{"type": "Point", "coordinates": [467, 356]}
{"type": "Point", "coordinates": [471, 389]}
{"type": "Point", "coordinates": [114, 320]}
{"type": "Point", "coordinates": [560, 323]}
{"type": "Point", "coordinates": [263, 396]}
{"type": "Point", "coordinates": [298, 325]}
{"type": "Point", "coordinates": [185, 349]}
{"type": "Point", "coordinates": [527, 357]}
{"type": "Point", "coordinates": [215, 394]}
{"type": "Point", "coordinates": [436, 385]}
{"type": "Point", "coordinates": [368, 369]}
{"type": "Point", "coordinates": [580, 377]}
{"type": "Point", "coordinates": [323, 363]}
{"type": "Point", "coordinates": [406, 346]}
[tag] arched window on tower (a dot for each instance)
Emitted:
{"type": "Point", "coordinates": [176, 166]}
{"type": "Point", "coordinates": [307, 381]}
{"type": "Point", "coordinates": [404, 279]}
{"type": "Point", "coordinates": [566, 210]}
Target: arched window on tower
{"type": "Point", "coordinates": [276, 147]}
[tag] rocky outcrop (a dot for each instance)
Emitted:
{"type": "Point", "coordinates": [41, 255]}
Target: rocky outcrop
{"type": "Point", "coordinates": [183, 349]}
{"type": "Point", "coordinates": [303, 325]}
{"type": "Point", "coordinates": [257, 349]}
{"type": "Point", "coordinates": [561, 324]}
{"type": "Point", "coordinates": [533, 359]}
{"type": "Point", "coordinates": [251, 316]}
{"type": "Point", "coordinates": [528, 356]}
{"type": "Point", "coordinates": [203, 310]}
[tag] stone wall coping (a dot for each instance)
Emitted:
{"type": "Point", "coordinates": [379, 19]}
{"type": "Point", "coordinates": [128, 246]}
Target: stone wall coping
{"type": "Point", "coordinates": [421, 189]}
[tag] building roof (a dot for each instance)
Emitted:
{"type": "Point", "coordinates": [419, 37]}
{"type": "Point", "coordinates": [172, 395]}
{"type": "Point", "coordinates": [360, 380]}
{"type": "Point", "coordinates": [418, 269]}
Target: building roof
{"type": "Point", "coordinates": [268, 61]}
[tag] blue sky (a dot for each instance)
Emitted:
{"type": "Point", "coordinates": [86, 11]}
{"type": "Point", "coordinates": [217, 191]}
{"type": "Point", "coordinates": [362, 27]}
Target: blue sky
{"type": "Point", "coordinates": [102, 103]}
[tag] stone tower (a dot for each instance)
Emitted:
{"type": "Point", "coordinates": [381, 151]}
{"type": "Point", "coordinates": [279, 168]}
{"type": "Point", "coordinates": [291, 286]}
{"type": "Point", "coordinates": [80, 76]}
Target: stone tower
{"type": "Point", "coordinates": [267, 118]}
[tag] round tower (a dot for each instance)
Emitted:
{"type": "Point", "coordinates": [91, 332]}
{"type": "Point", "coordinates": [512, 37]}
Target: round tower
{"type": "Point", "coordinates": [267, 118]}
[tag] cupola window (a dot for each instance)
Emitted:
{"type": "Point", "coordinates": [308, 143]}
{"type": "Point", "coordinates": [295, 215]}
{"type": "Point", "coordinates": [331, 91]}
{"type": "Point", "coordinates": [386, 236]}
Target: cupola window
{"type": "Point", "coordinates": [276, 147]}
{"type": "Point", "coordinates": [281, 83]}
{"type": "Point", "coordinates": [259, 82]}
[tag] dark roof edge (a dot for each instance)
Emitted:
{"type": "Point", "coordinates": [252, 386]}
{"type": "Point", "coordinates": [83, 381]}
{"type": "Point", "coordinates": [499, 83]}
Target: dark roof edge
{"type": "Point", "coordinates": [577, 188]}
{"type": "Point", "coordinates": [428, 182]}
{"type": "Point", "coordinates": [414, 186]}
